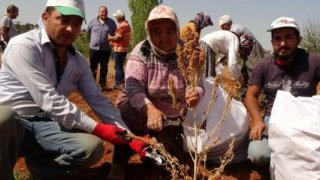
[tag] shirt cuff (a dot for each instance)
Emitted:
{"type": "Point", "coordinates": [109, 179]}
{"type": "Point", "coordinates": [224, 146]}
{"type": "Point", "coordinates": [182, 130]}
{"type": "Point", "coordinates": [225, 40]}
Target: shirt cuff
{"type": "Point", "coordinates": [200, 91]}
{"type": "Point", "coordinates": [86, 123]}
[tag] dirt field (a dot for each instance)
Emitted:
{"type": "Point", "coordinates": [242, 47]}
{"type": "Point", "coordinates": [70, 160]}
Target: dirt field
{"type": "Point", "coordinates": [136, 170]}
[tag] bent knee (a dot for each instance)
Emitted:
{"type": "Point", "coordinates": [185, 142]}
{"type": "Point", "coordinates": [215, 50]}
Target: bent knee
{"type": "Point", "coordinates": [92, 148]}
{"type": "Point", "coordinates": [9, 120]}
{"type": "Point", "coordinates": [6, 114]}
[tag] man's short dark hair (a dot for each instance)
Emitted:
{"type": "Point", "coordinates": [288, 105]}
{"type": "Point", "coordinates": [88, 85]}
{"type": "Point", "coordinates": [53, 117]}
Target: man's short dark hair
{"type": "Point", "coordinates": [49, 9]}
{"type": "Point", "coordinates": [12, 8]}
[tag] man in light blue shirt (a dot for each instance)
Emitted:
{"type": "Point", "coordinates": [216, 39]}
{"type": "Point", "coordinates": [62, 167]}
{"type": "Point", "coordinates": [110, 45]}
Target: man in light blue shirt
{"type": "Point", "coordinates": [100, 49]}
{"type": "Point", "coordinates": [40, 69]}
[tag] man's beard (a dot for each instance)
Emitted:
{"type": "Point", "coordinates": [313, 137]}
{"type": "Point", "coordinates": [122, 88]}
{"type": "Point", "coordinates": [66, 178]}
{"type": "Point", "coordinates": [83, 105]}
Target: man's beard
{"type": "Point", "coordinates": [285, 57]}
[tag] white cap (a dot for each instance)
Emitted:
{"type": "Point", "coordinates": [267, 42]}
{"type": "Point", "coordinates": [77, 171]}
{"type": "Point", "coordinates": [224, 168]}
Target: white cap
{"type": "Point", "coordinates": [68, 7]}
{"type": "Point", "coordinates": [225, 19]}
{"type": "Point", "coordinates": [282, 22]}
{"type": "Point", "coordinates": [118, 14]}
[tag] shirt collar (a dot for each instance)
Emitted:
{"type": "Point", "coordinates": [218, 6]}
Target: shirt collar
{"type": "Point", "coordinates": [44, 39]}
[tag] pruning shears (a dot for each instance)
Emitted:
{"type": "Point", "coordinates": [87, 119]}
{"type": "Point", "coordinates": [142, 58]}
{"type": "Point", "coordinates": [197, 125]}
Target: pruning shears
{"type": "Point", "coordinates": [171, 122]}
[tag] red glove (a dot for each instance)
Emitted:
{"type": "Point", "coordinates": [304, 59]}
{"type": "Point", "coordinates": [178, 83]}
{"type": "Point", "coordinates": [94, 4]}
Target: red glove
{"type": "Point", "coordinates": [110, 133]}
{"type": "Point", "coordinates": [138, 146]}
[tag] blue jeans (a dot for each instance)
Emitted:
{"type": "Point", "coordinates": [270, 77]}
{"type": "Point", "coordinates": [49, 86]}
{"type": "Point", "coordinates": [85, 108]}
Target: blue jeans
{"type": "Point", "coordinates": [258, 151]}
{"type": "Point", "coordinates": [51, 150]}
{"type": "Point", "coordinates": [119, 59]}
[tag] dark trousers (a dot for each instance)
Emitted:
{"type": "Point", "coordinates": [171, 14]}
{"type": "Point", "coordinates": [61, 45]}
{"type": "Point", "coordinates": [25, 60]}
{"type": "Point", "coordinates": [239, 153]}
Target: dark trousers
{"type": "Point", "coordinates": [11, 136]}
{"type": "Point", "coordinates": [119, 59]}
{"type": "Point", "coordinates": [102, 58]}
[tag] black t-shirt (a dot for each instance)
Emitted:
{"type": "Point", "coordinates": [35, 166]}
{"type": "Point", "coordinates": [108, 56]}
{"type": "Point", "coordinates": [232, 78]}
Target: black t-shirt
{"type": "Point", "coordinates": [302, 77]}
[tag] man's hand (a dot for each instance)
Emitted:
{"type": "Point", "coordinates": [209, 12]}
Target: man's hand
{"type": "Point", "coordinates": [145, 151]}
{"type": "Point", "coordinates": [110, 133]}
{"type": "Point", "coordinates": [138, 146]}
{"type": "Point", "coordinates": [256, 130]}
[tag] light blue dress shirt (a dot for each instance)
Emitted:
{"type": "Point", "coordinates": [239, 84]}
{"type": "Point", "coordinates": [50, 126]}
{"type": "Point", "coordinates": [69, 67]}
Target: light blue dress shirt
{"type": "Point", "coordinates": [28, 84]}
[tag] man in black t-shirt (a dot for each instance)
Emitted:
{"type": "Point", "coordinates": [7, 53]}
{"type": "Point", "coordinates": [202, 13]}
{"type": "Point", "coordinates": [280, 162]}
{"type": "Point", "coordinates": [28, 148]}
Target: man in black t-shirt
{"type": "Point", "coordinates": [290, 69]}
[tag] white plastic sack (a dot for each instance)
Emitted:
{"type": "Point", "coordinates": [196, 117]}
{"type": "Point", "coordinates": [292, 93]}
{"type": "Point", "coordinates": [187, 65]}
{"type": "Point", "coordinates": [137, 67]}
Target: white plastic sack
{"type": "Point", "coordinates": [294, 137]}
{"type": "Point", "coordinates": [235, 124]}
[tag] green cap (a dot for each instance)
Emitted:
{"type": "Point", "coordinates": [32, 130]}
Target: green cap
{"type": "Point", "coordinates": [69, 7]}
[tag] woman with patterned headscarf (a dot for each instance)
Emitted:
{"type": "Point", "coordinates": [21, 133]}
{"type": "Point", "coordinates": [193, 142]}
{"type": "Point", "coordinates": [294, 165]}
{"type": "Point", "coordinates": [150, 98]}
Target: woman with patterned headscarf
{"type": "Point", "coordinates": [145, 103]}
{"type": "Point", "coordinates": [195, 26]}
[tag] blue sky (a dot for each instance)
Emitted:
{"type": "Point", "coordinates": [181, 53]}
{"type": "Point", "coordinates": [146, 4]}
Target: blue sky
{"type": "Point", "coordinates": [256, 15]}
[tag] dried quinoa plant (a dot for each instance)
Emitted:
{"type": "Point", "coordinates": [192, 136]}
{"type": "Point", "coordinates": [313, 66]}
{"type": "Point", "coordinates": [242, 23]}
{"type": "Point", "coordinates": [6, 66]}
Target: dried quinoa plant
{"type": "Point", "coordinates": [232, 89]}
{"type": "Point", "coordinates": [216, 173]}
{"type": "Point", "coordinates": [229, 84]}
{"type": "Point", "coordinates": [227, 158]}
{"type": "Point", "coordinates": [177, 170]}
{"type": "Point", "coordinates": [191, 59]}
{"type": "Point", "coordinates": [213, 99]}
{"type": "Point", "coordinates": [181, 171]}
{"type": "Point", "coordinates": [173, 92]}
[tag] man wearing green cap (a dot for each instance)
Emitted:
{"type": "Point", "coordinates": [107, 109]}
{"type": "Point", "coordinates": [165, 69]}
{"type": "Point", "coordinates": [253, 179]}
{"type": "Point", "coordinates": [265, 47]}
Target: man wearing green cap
{"type": "Point", "coordinates": [37, 120]}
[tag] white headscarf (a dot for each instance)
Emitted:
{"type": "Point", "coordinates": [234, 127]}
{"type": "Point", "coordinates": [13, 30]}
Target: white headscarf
{"type": "Point", "coordinates": [162, 12]}
{"type": "Point", "coordinates": [224, 19]}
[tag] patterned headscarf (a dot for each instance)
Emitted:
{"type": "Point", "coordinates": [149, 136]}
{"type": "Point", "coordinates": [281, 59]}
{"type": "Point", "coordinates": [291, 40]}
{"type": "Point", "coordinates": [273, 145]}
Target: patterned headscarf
{"type": "Point", "coordinates": [203, 20]}
{"type": "Point", "coordinates": [246, 41]}
{"type": "Point", "coordinates": [161, 12]}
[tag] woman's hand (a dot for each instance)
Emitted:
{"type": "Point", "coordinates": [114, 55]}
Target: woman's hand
{"type": "Point", "coordinates": [155, 117]}
{"type": "Point", "coordinates": [192, 98]}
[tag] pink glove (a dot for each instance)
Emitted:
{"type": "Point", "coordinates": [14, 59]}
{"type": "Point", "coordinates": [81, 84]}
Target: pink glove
{"type": "Point", "coordinates": [110, 133]}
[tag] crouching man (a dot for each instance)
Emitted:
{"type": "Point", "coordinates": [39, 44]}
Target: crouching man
{"type": "Point", "coordinates": [40, 69]}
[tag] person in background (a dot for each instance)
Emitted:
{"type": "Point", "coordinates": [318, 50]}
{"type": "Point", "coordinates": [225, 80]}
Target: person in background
{"type": "Point", "coordinates": [100, 49]}
{"type": "Point", "coordinates": [120, 43]}
{"type": "Point", "coordinates": [195, 26]}
{"type": "Point", "coordinates": [254, 54]}
{"type": "Point", "coordinates": [145, 103]}
{"type": "Point", "coordinates": [7, 27]}
{"type": "Point", "coordinates": [290, 69]}
{"type": "Point", "coordinates": [227, 44]}
{"type": "Point", "coordinates": [37, 120]}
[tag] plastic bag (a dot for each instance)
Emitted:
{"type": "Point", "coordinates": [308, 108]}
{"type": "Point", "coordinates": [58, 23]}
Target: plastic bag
{"type": "Point", "coordinates": [235, 124]}
{"type": "Point", "coordinates": [294, 137]}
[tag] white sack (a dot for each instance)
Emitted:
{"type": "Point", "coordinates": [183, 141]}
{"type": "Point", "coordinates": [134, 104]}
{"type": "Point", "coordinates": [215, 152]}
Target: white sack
{"type": "Point", "coordinates": [294, 137]}
{"type": "Point", "coordinates": [236, 123]}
